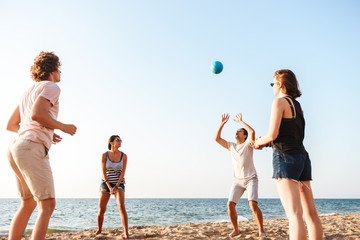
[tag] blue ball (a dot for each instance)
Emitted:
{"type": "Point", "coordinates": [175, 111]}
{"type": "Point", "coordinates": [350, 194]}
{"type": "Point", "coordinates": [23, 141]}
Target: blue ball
{"type": "Point", "coordinates": [217, 67]}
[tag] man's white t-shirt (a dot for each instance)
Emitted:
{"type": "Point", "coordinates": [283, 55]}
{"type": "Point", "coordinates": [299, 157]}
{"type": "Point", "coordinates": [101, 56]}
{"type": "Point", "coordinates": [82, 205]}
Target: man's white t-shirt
{"type": "Point", "coordinates": [242, 159]}
{"type": "Point", "coordinates": [32, 130]}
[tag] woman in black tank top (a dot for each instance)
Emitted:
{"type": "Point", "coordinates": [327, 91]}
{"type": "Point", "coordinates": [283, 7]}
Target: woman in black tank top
{"type": "Point", "coordinates": [291, 162]}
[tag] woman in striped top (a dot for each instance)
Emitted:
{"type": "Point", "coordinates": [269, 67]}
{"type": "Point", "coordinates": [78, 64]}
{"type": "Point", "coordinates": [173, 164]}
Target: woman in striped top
{"type": "Point", "coordinates": [113, 165]}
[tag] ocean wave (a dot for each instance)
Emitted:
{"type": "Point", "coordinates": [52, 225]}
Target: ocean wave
{"type": "Point", "coordinates": [240, 218]}
{"type": "Point", "coordinates": [327, 214]}
{"type": "Point", "coordinates": [220, 221]}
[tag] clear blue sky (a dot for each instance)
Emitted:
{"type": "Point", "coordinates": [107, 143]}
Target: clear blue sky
{"type": "Point", "coordinates": [141, 69]}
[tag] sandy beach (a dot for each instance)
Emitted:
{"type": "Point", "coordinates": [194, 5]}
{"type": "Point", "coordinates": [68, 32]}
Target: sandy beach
{"type": "Point", "coordinates": [335, 227]}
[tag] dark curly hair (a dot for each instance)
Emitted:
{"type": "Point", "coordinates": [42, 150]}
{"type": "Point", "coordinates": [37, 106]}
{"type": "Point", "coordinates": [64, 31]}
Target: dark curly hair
{"type": "Point", "coordinates": [44, 64]}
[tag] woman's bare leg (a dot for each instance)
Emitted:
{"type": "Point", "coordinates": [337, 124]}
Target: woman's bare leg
{"type": "Point", "coordinates": [104, 199]}
{"type": "Point", "coordinates": [290, 198]}
{"type": "Point", "coordinates": [312, 219]}
{"type": "Point", "coordinates": [120, 199]}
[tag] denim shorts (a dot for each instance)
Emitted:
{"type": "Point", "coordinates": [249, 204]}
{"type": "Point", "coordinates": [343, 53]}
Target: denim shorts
{"type": "Point", "coordinates": [296, 167]}
{"type": "Point", "coordinates": [104, 188]}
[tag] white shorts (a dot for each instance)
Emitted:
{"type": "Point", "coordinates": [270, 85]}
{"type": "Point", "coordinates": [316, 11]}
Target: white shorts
{"type": "Point", "coordinates": [240, 185]}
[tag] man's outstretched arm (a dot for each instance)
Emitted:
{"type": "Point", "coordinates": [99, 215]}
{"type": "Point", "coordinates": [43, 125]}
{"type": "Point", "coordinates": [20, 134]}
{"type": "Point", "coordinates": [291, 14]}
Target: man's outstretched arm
{"type": "Point", "coordinates": [218, 139]}
{"type": "Point", "coordinates": [249, 129]}
{"type": "Point", "coordinates": [40, 114]}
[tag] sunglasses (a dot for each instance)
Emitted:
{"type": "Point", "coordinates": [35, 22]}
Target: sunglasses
{"type": "Point", "coordinates": [118, 140]}
{"type": "Point", "coordinates": [273, 83]}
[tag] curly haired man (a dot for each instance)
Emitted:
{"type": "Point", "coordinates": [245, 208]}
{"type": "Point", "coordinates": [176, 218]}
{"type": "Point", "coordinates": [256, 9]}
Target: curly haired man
{"type": "Point", "coordinates": [34, 119]}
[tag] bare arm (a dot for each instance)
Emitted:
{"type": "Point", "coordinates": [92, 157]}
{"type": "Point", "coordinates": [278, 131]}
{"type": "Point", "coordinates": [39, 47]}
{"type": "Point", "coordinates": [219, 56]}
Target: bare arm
{"type": "Point", "coordinates": [13, 124]}
{"type": "Point", "coordinates": [249, 129]}
{"type": "Point", "coordinates": [103, 168]}
{"type": "Point", "coordinates": [123, 171]}
{"type": "Point", "coordinates": [277, 112]}
{"type": "Point", "coordinates": [40, 114]}
{"type": "Point", "coordinates": [218, 139]}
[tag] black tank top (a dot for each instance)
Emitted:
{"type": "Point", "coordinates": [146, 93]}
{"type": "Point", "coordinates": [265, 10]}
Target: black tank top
{"type": "Point", "coordinates": [291, 132]}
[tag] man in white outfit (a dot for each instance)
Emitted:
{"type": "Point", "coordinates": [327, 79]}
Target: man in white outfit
{"type": "Point", "coordinates": [245, 177]}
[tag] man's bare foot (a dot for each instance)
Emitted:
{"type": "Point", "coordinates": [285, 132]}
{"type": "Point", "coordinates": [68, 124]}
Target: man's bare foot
{"type": "Point", "coordinates": [98, 232]}
{"type": "Point", "coordinates": [234, 233]}
{"type": "Point", "coordinates": [126, 236]}
{"type": "Point", "coordinates": [262, 235]}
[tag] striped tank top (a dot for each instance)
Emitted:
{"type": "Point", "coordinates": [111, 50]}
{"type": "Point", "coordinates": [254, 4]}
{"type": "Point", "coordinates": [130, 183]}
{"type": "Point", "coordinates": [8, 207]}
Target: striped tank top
{"type": "Point", "coordinates": [114, 169]}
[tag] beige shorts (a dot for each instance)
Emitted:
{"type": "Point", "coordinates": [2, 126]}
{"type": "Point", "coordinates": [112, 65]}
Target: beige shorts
{"type": "Point", "coordinates": [240, 185]}
{"type": "Point", "coordinates": [30, 163]}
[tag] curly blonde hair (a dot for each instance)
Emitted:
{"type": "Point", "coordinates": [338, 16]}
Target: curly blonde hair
{"type": "Point", "coordinates": [44, 64]}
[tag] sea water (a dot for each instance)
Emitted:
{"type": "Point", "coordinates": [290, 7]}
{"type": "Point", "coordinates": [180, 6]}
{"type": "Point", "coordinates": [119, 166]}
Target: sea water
{"type": "Point", "coordinates": [80, 214]}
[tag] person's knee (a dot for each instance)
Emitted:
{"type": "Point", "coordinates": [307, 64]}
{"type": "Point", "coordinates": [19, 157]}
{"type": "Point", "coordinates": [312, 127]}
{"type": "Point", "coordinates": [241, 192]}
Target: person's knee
{"type": "Point", "coordinates": [231, 205]}
{"type": "Point", "coordinates": [102, 210]}
{"type": "Point", "coordinates": [29, 204]}
{"type": "Point", "coordinates": [47, 206]}
{"type": "Point", "coordinates": [253, 206]}
{"type": "Point", "coordinates": [295, 213]}
{"type": "Point", "coordinates": [121, 205]}
{"type": "Point", "coordinates": [311, 214]}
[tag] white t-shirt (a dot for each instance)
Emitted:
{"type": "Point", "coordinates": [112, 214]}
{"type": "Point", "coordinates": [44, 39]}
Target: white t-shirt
{"type": "Point", "coordinates": [242, 159]}
{"type": "Point", "coordinates": [32, 130]}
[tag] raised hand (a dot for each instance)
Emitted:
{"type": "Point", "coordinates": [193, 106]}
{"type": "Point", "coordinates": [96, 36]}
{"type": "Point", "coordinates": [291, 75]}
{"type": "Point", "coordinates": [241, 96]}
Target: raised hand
{"type": "Point", "coordinates": [238, 118]}
{"type": "Point", "coordinates": [224, 118]}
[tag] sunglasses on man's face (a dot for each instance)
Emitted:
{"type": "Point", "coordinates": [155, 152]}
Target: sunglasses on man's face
{"type": "Point", "coordinates": [118, 140]}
